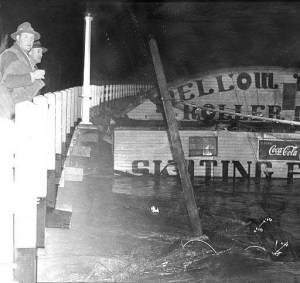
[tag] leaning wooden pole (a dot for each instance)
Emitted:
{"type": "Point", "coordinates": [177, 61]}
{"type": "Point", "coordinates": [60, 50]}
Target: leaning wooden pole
{"type": "Point", "coordinates": [175, 141]}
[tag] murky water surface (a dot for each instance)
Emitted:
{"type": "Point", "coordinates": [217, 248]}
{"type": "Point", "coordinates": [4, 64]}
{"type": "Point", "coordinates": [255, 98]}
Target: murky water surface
{"type": "Point", "coordinates": [253, 228]}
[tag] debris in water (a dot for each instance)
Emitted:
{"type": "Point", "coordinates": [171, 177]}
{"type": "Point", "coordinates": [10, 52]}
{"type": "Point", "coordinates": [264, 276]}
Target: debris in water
{"type": "Point", "coordinates": [154, 209]}
{"type": "Point", "coordinates": [199, 239]}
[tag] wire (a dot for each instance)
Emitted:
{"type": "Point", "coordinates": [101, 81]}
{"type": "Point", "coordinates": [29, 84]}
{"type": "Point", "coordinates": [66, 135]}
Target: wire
{"type": "Point", "coordinates": [256, 247]}
{"type": "Point", "coordinates": [198, 240]}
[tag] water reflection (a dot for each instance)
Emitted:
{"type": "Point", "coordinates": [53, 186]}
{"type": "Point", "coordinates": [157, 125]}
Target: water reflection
{"type": "Point", "coordinates": [230, 212]}
{"type": "Point", "coordinates": [239, 200]}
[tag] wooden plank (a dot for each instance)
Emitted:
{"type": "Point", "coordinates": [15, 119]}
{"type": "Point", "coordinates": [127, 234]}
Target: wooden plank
{"type": "Point", "coordinates": [79, 92]}
{"type": "Point", "coordinates": [110, 96]}
{"type": "Point", "coordinates": [106, 96]}
{"type": "Point", "coordinates": [72, 110]}
{"type": "Point", "coordinates": [51, 153]}
{"type": "Point", "coordinates": [58, 136]}
{"type": "Point", "coordinates": [75, 90]}
{"type": "Point", "coordinates": [26, 157]}
{"type": "Point", "coordinates": [41, 140]}
{"type": "Point", "coordinates": [58, 122]}
{"type": "Point", "coordinates": [51, 188]}
{"type": "Point", "coordinates": [98, 96]}
{"type": "Point", "coordinates": [68, 107]}
{"type": "Point", "coordinates": [41, 223]}
{"type": "Point", "coordinates": [114, 94]}
{"type": "Point", "coordinates": [93, 94]}
{"type": "Point", "coordinates": [51, 131]}
{"type": "Point", "coordinates": [7, 151]}
{"type": "Point", "coordinates": [64, 121]}
{"type": "Point", "coordinates": [93, 102]}
{"type": "Point", "coordinates": [119, 91]}
{"type": "Point", "coordinates": [26, 271]}
{"type": "Point", "coordinates": [116, 91]}
{"type": "Point", "coordinates": [68, 121]}
{"type": "Point", "coordinates": [175, 142]}
{"type": "Point", "coordinates": [122, 91]}
{"type": "Point", "coordinates": [102, 99]}
{"type": "Point", "coordinates": [29, 172]}
{"type": "Point", "coordinates": [56, 218]}
{"type": "Point", "coordinates": [6, 246]}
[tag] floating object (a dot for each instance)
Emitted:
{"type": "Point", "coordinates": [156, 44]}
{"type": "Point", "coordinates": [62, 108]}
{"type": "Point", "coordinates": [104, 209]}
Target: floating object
{"type": "Point", "coordinates": [154, 209]}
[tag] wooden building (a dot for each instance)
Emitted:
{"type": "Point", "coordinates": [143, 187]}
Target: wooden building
{"type": "Point", "coordinates": [218, 143]}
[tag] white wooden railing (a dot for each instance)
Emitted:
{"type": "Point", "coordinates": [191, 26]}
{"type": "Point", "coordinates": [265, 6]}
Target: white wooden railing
{"type": "Point", "coordinates": [30, 146]}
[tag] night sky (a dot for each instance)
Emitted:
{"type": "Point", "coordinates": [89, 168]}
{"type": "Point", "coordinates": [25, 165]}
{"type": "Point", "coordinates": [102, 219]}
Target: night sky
{"type": "Point", "coordinates": [192, 36]}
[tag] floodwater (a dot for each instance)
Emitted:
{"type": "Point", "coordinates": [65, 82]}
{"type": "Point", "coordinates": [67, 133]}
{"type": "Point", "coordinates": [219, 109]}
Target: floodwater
{"type": "Point", "coordinates": [252, 229]}
{"type": "Point", "coordinates": [136, 229]}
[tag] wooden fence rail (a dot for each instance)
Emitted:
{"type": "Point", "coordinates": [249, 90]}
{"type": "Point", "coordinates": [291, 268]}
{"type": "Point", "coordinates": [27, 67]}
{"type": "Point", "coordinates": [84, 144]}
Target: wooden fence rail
{"type": "Point", "coordinates": [33, 149]}
{"type": "Point", "coordinates": [108, 96]}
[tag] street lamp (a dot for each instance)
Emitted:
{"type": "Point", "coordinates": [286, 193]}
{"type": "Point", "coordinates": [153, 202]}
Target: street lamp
{"type": "Point", "coordinates": [86, 93]}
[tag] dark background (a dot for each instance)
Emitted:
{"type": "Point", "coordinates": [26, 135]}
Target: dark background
{"type": "Point", "coordinates": [192, 37]}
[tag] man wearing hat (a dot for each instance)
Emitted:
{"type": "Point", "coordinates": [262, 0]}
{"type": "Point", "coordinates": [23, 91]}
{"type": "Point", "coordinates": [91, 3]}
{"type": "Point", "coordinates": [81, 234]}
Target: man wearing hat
{"type": "Point", "coordinates": [18, 80]}
{"type": "Point", "coordinates": [36, 53]}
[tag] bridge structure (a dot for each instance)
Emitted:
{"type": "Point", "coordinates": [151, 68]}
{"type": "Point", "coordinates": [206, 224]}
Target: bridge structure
{"type": "Point", "coordinates": [34, 150]}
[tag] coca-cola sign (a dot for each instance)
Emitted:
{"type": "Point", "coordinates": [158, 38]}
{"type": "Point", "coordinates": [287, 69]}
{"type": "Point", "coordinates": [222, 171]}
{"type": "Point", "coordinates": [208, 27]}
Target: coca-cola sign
{"type": "Point", "coordinates": [279, 150]}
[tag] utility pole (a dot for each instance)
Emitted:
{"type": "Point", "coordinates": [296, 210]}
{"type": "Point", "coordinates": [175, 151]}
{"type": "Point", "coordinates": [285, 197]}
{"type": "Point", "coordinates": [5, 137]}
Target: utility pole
{"type": "Point", "coordinates": [175, 141]}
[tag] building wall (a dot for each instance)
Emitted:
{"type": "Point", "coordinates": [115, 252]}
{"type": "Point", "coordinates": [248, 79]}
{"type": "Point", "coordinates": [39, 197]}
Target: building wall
{"type": "Point", "coordinates": [144, 151]}
{"type": "Point", "coordinates": [148, 111]}
{"type": "Point", "coordinates": [254, 90]}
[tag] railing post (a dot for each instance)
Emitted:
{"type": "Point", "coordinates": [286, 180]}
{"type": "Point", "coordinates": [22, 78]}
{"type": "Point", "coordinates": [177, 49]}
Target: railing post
{"type": "Point", "coordinates": [31, 182]}
{"type": "Point", "coordinates": [75, 90]}
{"type": "Point", "coordinates": [7, 208]}
{"type": "Point", "coordinates": [70, 92]}
{"type": "Point", "coordinates": [58, 136]}
{"type": "Point", "coordinates": [64, 124]}
{"type": "Point", "coordinates": [97, 98]}
{"type": "Point", "coordinates": [101, 106]}
{"type": "Point", "coordinates": [51, 187]}
{"type": "Point", "coordinates": [79, 102]}
{"type": "Point", "coordinates": [69, 109]}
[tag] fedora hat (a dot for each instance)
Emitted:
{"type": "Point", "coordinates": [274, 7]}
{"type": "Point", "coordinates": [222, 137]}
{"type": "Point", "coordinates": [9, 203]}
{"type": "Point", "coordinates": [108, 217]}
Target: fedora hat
{"type": "Point", "coordinates": [25, 27]}
{"type": "Point", "coordinates": [37, 44]}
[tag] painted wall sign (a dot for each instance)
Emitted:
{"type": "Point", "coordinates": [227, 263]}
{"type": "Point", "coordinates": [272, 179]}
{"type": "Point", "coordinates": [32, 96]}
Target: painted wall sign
{"type": "Point", "coordinates": [279, 150]}
{"type": "Point", "coordinates": [259, 91]}
{"type": "Point", "coordinates": [240, 154]}
{"type": "Point", "coordinates": [265, 93]}
{"type": "Point", "coordinates": [241, 81]}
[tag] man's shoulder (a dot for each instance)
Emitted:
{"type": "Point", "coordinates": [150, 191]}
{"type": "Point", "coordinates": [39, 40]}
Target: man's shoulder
{"type": "Point", "coordinates": [7, 57]}
{"type": "Point", "coordinates": [10, 55]}
{"type": "Point", "coordinates": [10, 52]}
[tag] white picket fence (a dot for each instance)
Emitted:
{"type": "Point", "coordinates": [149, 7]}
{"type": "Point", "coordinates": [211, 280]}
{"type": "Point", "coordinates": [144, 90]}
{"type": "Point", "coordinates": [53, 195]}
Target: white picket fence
{"type": "Point", "coordinates": [32, 144]}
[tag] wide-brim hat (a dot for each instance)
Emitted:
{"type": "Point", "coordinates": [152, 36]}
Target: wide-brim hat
{"type": "Point", "coordinates": [37, 44]}
{"type": "Point", "coordinates": [25, 27]}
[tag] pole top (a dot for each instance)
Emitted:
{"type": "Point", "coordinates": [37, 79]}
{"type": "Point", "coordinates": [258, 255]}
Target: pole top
{"type": "Point", "coordinates": [88, 14]}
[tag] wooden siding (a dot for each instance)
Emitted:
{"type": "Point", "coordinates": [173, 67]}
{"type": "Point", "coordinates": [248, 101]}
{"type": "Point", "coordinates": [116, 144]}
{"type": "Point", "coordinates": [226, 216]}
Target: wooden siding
{"type": "Point", "coordinates": [247, 89]}
{"type": "Point", "coordinates": [148, 111]}
{"type": "Point", "coordinates": [149, 145]}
